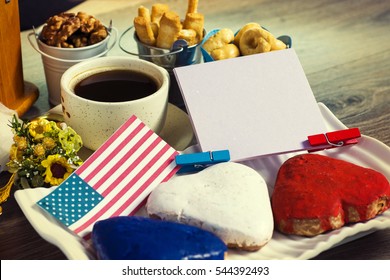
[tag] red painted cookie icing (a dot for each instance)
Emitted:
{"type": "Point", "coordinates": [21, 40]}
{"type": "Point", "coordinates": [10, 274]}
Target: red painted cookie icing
{"type": "Point", "coordinates": [315, 193]}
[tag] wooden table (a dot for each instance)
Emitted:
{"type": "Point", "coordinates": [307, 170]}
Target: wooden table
{"type": "Point", "coordinates": [344, 48]}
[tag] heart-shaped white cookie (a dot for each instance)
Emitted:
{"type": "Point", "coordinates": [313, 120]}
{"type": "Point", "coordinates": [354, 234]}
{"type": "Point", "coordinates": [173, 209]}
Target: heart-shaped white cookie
{"type": "Point", "coordinates": [229, 199]}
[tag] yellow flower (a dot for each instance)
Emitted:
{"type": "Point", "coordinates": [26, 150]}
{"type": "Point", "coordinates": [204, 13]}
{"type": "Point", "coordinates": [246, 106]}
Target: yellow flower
{"type": "Point", "coordinates": [70, 141]}
{"type": "Point", "coordinates": [48, 143]}
{"type": "Point", "coordinates": [20, 142]}
{"type": "Point", "coordinates": [57, 169]}
{"type": "Point", "coordinates": [15, 153]}
{"type": "Point", "coordinates": [39, 150]}
{"type": "Point", "coordinates": [52, 127]}
{"type": "Point", "coordinates": [15, 157]}
{"type": "Point", "coordinates": [38, 127]}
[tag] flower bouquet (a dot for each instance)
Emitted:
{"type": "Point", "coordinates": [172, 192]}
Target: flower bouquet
{"type": "Point", "coordinates": [43, 153]}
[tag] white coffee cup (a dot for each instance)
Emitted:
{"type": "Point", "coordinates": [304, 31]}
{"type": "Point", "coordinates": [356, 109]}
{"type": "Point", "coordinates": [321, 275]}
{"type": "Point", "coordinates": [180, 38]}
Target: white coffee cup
{"type": "Point", "coordinates": [96, 121]}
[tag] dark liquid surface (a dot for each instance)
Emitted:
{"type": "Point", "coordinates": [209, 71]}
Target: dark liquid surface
{"type": "Point", "coordinates": [116, 86]}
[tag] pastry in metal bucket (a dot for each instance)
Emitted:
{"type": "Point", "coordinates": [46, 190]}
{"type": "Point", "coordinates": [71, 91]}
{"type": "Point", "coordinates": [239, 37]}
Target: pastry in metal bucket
{"type": "Point", "coordinates": [180, 54]}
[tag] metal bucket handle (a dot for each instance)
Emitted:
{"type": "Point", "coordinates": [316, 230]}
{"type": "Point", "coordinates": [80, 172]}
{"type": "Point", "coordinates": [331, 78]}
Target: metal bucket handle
{"type": "Point", "coordinates": [35, 46]}
{"type": "Point", "coordinates": [174, 50]}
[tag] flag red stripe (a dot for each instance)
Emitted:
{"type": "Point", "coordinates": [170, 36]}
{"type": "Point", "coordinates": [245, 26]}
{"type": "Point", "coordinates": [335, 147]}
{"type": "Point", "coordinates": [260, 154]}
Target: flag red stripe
{"type": "Point", "coordinates": [120, 162]}
{"type": "Point", "coordinates": [131, 168]}
{"type": "Point", "coordinates": [106, 144]}
{"type": "Point", "coordinates": [103, 162]}
{"type": "Point", "coordinates": [139, 206]}
{"type": "Point", "coordinates": [173, 171]}
{"type": "Point", "coordinates": [108, 205]}
{"type": "Point", "coordinates": [170, 174]}
{"type": "Point", "coordinates": [147, 183]}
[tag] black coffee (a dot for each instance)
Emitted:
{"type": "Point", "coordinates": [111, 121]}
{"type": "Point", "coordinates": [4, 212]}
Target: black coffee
{"type": "Point", "coordinates": [116, 86]}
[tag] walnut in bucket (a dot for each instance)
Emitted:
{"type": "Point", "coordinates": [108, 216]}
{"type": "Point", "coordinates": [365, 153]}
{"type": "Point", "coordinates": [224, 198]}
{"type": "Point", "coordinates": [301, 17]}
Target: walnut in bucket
{"type": "Point", "coordinates": [69, 30]}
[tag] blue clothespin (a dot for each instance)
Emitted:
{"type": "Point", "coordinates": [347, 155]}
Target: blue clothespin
{"type": "Point", "coordinates": [198, 161]}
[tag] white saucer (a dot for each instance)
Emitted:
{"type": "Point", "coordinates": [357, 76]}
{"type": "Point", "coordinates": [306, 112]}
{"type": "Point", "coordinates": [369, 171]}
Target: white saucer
{"type": "Point", "coordinates": [177, 130]}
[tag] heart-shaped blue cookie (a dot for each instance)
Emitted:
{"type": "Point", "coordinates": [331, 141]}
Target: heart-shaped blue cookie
{"type": "Point", "coordinates": [141, 238]}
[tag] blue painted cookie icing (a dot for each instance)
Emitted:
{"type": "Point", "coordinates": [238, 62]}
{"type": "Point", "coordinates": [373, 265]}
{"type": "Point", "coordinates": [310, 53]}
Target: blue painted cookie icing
{"type": "Point", "coordinates": [141, 238]}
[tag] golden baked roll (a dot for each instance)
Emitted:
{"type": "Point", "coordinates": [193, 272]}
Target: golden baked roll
{"type": "Point", "coordinates": [158, 10]}
{"type": "Point", "coordinates": [225, 52]}
{"type": "Point", "coordinates": [189, 35]}
{"type": "Point", "coordinates": [243, 29]}
{"type": "Point", "coordinates": [144, 30]}
{"type": "Point", "coordinates": [278, 45]}
{"type": "Point", "coordinates": [195, 21]}
{"type": "Point", "coordinates": [145, 13]}
{"type": "Point", "coordinates": [192, 6]}
{"type": "Point", "coordinates": [168, 33]}
{"type": "Point", "coordinates": [218, 40]}
{"type": "Point", "coordinates": [255, 40]}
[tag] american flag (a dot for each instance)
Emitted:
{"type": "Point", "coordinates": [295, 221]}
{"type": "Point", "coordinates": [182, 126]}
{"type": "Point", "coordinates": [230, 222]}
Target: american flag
{"type": "Point", "coordinates": [114, 180]}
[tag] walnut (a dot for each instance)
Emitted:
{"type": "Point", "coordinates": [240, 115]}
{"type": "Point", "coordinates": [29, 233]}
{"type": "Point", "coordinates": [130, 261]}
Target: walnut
{"type": "Point", "coordinates": [98, 35]}
{"type": "Point", "coordinates": [69, 30]}
{"type": "Point", "coordinates": [51, 28]}
{"type": "Point", "coordinates": [87, 22]}
{"type": "Point", "coordinates": [79, 40]}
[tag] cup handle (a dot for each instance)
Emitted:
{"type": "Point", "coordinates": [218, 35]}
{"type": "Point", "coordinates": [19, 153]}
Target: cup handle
{"type": "Point", "coordinates": [34, 44]}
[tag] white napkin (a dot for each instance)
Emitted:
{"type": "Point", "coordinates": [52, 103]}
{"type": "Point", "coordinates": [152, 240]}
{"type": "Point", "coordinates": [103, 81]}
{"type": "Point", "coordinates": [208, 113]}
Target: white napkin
{"type": "Point", "coordinates": [6, 135]}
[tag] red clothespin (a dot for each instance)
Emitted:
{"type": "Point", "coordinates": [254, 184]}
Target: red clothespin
{"type": "Point", "coordinates": [334, 139]}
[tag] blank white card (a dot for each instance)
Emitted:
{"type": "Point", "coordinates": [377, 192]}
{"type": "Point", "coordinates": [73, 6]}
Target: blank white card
{"type": "Point", "coordinates": [251, 105]}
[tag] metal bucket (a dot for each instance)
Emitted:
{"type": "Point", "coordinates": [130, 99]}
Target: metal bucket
{"type": "Point", "coordinates": [57, 60]}
{"type": "Point", "coordinates": [179, 55]}
{"type": "Point", "coordinates": [207, 57]}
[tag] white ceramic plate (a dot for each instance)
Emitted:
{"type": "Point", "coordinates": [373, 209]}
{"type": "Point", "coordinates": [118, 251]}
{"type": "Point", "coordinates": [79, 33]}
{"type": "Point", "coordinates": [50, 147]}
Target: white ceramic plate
{"type": "Point", "coordinates": [369, 152]}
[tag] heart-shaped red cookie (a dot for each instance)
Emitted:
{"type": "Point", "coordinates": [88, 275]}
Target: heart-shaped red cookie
{"type": "Point", "coordinates": [315, 193]}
